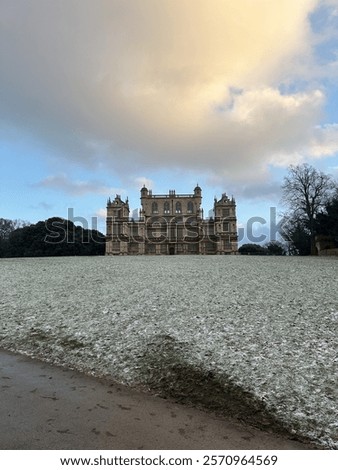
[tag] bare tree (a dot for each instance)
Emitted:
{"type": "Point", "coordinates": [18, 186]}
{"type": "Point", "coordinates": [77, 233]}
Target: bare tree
{"type": "Point", "coordinates": [7, 226]}
{"type": "Point", "coordinates": [305, 192]}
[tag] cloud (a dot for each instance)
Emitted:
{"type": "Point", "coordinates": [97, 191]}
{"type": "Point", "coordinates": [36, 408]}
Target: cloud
{"type": "Point", "coordinates": [325, 141]}
{"type": "Point", "coordinates": [45, 206]}
{"type": "Point", "coordinates": [75, 188]}
{"type": "Point", "coordinates": [261, 191]}
{"type": "Point", "coordinates": [101, 213]}
{"type": "Point", "coordinates": [171, 84]}
{"type": "Point", "coordinates": [141, 181]}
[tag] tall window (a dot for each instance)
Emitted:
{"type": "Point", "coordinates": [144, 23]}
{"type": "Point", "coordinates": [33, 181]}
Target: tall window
{"type": "Point", "coordinates": [226, 244]}
{"type": "Point", "coordinates": [226, 212]}
{"type": "Point", "coordinates": [134, 230]}
{"type": "Point", "coordinates": [154, 208]}
{"type": "Point", "coordinates": [178, 208]}
{"type": "Point", "coordinates": [166, 207]}
{"type": "Point", "coordinates": [190, 207]}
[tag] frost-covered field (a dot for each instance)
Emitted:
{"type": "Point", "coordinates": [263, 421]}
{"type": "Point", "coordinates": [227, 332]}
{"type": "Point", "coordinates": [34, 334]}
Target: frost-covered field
{"type": "Point", "coordinates": [233, 330]}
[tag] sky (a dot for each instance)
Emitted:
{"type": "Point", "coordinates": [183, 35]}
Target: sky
{"type": "Point", "coordinates": [99, 97]}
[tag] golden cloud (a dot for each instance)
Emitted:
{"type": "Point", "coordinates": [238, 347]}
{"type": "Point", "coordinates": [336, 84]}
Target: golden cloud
{"type": "Point", "coordinates": [183, 83]}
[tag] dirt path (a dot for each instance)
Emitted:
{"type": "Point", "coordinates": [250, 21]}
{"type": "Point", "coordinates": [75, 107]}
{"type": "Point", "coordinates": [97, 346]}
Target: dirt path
{"type": "Point", "coordinates": [46, 407]}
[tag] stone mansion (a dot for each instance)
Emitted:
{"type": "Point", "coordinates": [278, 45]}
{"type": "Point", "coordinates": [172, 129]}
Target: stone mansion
{"type": "Point", "coordinates": [171, 224]}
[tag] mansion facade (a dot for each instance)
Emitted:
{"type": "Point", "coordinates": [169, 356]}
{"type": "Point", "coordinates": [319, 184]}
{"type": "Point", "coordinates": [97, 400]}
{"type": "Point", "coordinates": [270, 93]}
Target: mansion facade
{"type": "Point", "coordinates": [171, 224]}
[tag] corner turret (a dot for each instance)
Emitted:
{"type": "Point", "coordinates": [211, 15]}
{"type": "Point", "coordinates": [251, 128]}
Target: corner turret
{"type": "Point", "coordinates": [144, 192]}
{"type": "Point", "coordinates": [198, 191]}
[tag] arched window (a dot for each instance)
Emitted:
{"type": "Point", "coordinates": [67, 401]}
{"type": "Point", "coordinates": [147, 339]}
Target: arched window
{"type": "Point", "coordinates": [190, 207]}
{"type": "Point", "coordinates": [166, 207]}
{"type": "Point", "coordinates": [178, 208]}
{"type": "Point", "coordinates": [154, 208]}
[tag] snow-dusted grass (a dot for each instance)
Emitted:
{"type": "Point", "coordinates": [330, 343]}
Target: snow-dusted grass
{"type": "Point", "coordinates": [264, 326]}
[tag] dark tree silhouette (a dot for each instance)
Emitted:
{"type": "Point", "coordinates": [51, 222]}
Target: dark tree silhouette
{"type": "Point", "coordinates": [327, 220]}
{"type": "Point", "coordinates": [252, 249]}
{"type": "Point", "coordinates": [306, 190]}
{"type": "Point", "coordinates": [52, 237]}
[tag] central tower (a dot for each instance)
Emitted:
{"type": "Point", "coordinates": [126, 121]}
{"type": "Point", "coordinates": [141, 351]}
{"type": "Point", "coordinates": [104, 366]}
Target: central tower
{"type": "Point", "coordinates": [171, 221]}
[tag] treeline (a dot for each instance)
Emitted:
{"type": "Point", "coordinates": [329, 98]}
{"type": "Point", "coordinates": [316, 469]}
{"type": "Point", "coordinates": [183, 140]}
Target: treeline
{"type": "Point", "coordinates": [310, 222]}
{"type": "Point", "coordinates": [270, 249]}
{"type": "Point", "coordinates": [311, 219]}
{"type": "Point", "coordinates": [52, 237]}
